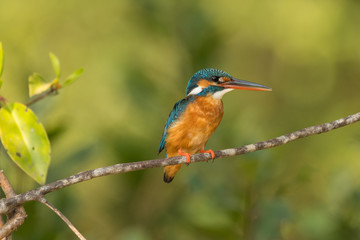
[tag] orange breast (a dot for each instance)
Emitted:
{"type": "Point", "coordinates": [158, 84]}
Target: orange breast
{"type": "Point", "coordinates": [195, 126]}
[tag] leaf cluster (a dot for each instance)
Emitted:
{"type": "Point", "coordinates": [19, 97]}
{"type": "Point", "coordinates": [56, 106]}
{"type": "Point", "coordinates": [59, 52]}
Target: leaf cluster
{"type": "Point", "coordinates": [22, 134]}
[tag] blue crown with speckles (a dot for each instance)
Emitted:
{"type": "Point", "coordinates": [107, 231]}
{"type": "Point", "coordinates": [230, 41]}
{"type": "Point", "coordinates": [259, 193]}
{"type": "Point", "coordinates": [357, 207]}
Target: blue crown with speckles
{"type": "Point", "coordinates": [206, 73]}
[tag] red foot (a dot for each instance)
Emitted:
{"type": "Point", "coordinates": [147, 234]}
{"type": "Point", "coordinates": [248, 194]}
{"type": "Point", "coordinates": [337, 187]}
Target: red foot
{"type": "Point", "coordinates": [209, 151]}
{"type": "Point", "coordinates": [187, 155]}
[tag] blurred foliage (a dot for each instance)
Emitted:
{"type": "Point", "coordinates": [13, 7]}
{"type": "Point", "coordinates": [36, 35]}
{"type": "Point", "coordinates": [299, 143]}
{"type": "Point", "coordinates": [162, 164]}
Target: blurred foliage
{"type": "Point", "coordinates": [138, 57]}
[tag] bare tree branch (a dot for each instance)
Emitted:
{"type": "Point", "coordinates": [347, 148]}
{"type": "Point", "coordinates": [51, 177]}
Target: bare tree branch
{"type": "Point", "coordinates": [7, 205]}
{"type": "Point", "coordinates": [63, 217]}
{"type": "Point", "coordinates": [16, 217]}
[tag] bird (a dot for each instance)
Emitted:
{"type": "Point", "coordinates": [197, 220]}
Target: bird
{"type": "Point", "coordinates": [194, 118]}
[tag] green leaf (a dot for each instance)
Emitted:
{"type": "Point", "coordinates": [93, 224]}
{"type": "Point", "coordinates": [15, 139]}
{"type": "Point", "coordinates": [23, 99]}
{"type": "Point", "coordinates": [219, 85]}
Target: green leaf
{"type": "Point", "coordinates": [56, 64]}
{"type": "Point", "coordinates": [38, 85]}
{"type": "Point", "coordinates": [25, 140]}
{"type": "Point", "coordinates": [74, 76]}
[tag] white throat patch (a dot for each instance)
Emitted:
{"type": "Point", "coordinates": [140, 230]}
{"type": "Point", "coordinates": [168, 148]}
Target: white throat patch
{"type": "Point", "coordinates": [220, 94]}
{"type": "Point", "coordinates": [195, 91]}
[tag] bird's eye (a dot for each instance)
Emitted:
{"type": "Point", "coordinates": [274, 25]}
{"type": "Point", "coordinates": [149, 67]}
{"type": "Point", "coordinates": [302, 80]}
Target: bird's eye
{"type": "Point", "coordinates": [215, 78]}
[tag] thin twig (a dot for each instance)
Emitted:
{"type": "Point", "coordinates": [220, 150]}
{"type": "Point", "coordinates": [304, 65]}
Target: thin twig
{"type": "Point", "coordinates": [52, 89]}
{"type": "Point", "coordinates": [7, 205]}
{"type": "Point", "coordinates": [63, 217]}
{"type": "Point", "coordinates": [16, 217]}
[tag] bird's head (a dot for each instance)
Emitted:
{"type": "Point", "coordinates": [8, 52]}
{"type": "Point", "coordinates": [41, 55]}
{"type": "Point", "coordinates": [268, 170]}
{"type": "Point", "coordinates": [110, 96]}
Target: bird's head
{"type": "Point", "coordinates": [217, 83]}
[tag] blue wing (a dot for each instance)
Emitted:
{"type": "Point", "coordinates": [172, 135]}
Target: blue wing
{"type": "Point", "coordinates": [175, 113]}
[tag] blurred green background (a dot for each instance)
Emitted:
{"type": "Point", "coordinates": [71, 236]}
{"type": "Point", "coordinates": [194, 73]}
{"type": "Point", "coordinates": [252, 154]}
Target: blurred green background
{"type": "Point", "coordinates": [138, 57]}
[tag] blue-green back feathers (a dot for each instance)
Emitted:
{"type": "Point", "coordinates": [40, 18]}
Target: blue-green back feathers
{"type": "Point", "coordinates": [175, 113]}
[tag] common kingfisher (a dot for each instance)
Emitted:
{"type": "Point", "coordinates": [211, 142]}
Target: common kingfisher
{"type": "Point", "coordinates": [195, 117]}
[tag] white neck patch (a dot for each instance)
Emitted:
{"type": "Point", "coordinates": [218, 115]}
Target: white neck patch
{"type": "Point", "coordinates": [220, 94]}
{"type": "Point", "coordinates": [195, 91]}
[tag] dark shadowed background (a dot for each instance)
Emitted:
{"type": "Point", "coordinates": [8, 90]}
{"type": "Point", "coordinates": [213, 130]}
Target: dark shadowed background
{"type": "Point", "coordinates": [138, 57]}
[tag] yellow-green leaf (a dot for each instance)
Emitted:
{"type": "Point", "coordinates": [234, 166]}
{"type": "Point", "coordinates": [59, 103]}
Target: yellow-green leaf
{"type": "Point", "coordinates": [74, 76]}
{"type": "Point", "coordinates": [38, 85]}
{"type": "Point", "coordinates": [25, 140]}
{"type": "Point", "coordinates": [56, 64]}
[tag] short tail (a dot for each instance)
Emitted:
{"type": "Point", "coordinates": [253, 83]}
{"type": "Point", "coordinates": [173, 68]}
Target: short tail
{"type": "Point", "coordinates": [170, 172]}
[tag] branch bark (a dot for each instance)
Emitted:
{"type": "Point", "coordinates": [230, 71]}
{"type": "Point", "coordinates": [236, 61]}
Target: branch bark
{"type": "Point", "coordinates": [8, 204]}
{"type": "Point", "coordinates": [16, 217]}
{"type": "Point", "coordinates": [63, 217]}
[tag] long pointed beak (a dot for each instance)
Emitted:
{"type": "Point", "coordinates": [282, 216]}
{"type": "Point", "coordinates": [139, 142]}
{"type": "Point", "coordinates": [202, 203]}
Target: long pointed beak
{"type": "Point", "coordinates": [244, 85]}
